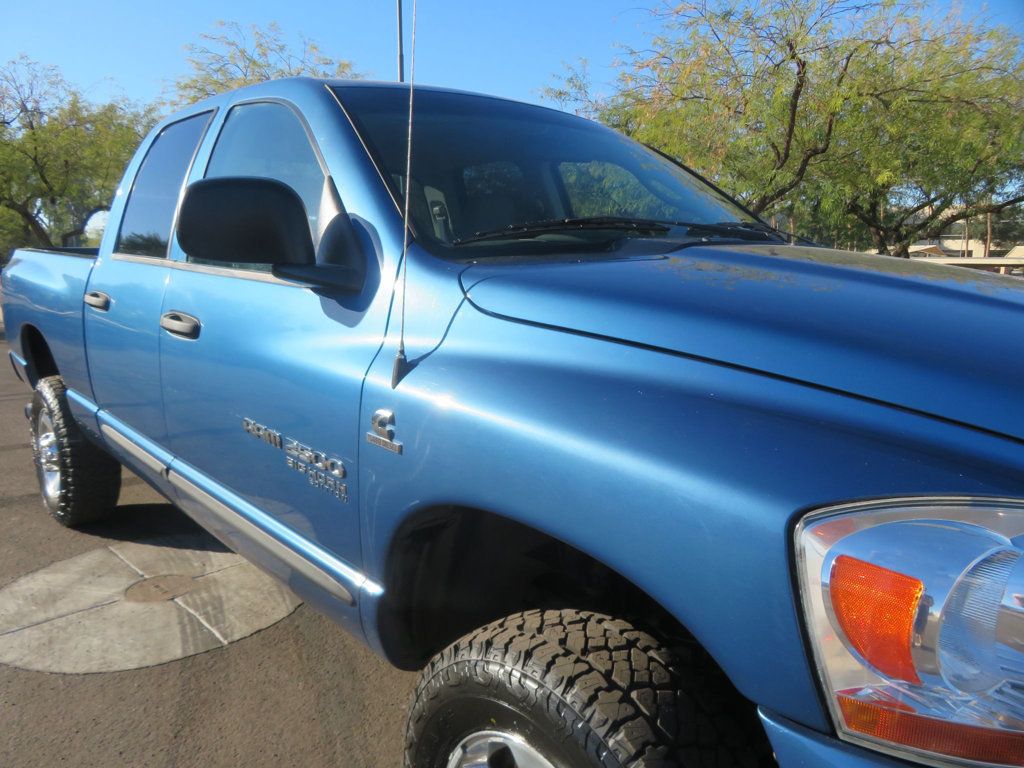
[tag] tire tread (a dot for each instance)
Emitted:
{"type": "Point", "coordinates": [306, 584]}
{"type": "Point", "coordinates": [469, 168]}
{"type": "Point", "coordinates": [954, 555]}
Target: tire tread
{"type": "Point", "coordinates": [90, 477]}
{"type": "Point", "coordinates": [629, 699]}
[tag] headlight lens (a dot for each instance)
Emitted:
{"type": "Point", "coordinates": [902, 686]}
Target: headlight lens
{"type": "Point", "coordinates": [915, 610]}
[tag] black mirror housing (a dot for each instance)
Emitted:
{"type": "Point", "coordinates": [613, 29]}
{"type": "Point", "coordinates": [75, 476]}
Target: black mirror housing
{"type": "Point", "coordinates": [244, 220]}
{"type": "Point", "coordinates": [325, 275]}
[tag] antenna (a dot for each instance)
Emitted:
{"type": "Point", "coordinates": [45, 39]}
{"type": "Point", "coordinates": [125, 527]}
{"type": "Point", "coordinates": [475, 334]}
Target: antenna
{"type": "Point", "coordinates": [401, 56]}
{"type": "Point", "coordinates": [401, 362]}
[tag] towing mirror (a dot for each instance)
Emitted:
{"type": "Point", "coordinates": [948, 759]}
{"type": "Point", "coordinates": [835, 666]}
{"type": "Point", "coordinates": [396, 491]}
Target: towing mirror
{"type": "Point", "coordinates": [244, 221]}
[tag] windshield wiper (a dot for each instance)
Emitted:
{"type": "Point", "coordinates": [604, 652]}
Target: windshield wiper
{"type": "Point", "coordinates": [536, 228]}
{"type": "Point", "coordinates": [744, 230]}
{"type": "Point", "coordinates": [760, 226]}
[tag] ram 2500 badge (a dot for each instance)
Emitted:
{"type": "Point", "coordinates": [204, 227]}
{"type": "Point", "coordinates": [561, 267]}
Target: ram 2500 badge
{"type": "Point", "coordinates": [633, 479]}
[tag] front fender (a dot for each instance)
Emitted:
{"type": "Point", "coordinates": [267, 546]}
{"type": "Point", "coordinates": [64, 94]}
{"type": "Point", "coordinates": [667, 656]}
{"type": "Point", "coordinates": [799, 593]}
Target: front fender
{"type": "Point", "coordinates": [685, 477]}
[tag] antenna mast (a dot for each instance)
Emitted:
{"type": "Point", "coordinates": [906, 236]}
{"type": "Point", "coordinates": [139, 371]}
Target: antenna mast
{"type": "Point", "coordinates": [401, 56]}
{"type": "Point", "coordinates": [401, 364]}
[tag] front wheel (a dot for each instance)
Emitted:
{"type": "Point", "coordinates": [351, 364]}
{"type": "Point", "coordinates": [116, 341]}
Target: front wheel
{"type": "Point", "coordinates": [80, 482]}
{"type": "Point", "coordinates": [574, 689]}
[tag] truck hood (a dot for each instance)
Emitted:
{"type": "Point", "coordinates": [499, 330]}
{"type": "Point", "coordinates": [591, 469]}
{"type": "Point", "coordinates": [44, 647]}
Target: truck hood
{"type": "Point", "coordinates": [945, 341]}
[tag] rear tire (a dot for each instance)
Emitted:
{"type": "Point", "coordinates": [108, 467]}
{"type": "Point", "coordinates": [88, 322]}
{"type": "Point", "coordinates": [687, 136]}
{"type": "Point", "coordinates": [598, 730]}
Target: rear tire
{"type": "Point", "coordinates": [578, 690]}
{"type": "Point", "coordinates": [80, 482]}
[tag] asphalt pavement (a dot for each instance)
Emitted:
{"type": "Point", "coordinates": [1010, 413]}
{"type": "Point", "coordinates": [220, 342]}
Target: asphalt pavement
{"type": "Point", "coordinates": [300, 692]}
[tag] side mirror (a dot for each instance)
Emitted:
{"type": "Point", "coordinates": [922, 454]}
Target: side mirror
{"type": "Point", "coordinates": [245, 220]}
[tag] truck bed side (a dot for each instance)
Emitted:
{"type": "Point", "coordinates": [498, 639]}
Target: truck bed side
{"type": "Point", "coordinates": [42, 305]}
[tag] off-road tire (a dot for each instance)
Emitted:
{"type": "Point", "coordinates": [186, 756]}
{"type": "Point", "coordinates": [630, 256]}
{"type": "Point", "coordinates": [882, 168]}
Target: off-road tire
{"type": "Point", "coordinates": [90, 478]}
{"type": "Point", "coordinates": [586, 690]}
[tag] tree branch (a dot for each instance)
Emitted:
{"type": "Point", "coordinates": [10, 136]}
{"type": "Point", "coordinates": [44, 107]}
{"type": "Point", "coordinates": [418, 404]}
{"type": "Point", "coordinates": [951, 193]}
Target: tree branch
{"type": "Point", "coordinates": [80, 229]}
{"type": "Point", "coordinates": [794, 103]}
{"type": "Point", "coordinates": [31, 221]}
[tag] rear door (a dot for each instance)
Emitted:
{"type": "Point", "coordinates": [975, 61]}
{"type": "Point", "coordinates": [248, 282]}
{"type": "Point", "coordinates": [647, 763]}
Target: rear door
{"type": "Point", "coordinates": [264, 400]}
{"type": "Point", "coordinates": [126, 287]}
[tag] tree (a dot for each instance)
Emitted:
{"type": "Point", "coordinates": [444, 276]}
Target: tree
{"type": "Point", "coordinates": [863, 116]}
{"type": "Point", "coordinates": [237, 56]}
{"type": "Point", "coordinates": [60, 156]}
{"type": "Point", "coordinates": [941, 137]}
{"type": "Point", "coordinates": [1007, 228]}
{"type": "Point", "coordinates": [13, 234]}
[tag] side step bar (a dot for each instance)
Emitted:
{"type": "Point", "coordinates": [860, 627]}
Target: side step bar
{"type": "Point", "coordinates": [222, 517]}
{"type": "Point", "coordinates": [247, 523]}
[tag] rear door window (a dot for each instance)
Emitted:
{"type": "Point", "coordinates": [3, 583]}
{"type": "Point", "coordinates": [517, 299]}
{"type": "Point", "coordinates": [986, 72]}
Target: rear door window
{"type": "Point", "coordinates": [149, 212]}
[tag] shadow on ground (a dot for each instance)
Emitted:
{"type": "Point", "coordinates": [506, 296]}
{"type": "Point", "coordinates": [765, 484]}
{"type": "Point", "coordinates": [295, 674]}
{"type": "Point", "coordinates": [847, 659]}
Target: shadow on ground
{"type": "Point", "coordinates": [143, 522]}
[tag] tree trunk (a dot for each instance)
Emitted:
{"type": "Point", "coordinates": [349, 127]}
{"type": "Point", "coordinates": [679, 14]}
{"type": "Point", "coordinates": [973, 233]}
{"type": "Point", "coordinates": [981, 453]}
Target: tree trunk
{"type": "Point", "coordinates": [37, 229]}
{"type": "Point", "coordinates": [988, 234]}
{"type": "Point", "coordinates": [878, 238]}
{"type": "Point", "coordinates": [79, 230]}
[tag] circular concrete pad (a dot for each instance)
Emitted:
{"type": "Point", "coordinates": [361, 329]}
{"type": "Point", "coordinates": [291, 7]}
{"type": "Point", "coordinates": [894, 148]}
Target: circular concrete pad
{"type": "Point", "coordinates": [136, 604]}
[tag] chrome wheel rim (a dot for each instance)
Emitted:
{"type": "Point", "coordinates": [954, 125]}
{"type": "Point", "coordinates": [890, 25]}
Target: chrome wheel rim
{"type": "Point", "coordinates": [494, 749]}
{"type": "Point", "coordinates": [48, 459]}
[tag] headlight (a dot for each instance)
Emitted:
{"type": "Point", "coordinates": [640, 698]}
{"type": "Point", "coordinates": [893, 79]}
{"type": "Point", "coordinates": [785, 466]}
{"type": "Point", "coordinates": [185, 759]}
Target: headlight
{"type": "Point", "coordinates": [915, 610]}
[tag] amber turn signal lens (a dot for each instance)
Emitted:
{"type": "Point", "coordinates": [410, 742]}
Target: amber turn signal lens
{"type": "Point", "coordinates": [986, 745]}
{"type": "Point", "coordinates": [875, 608]}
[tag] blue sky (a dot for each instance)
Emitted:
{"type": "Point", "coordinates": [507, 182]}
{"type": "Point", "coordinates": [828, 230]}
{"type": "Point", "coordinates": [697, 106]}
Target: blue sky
{"type": "Point", "coordinates": [511, 49]}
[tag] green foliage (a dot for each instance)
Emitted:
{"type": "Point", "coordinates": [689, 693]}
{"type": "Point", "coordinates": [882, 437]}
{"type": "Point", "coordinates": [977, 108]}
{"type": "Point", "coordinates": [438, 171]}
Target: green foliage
{"type": "Point", "coordinates": [13, 234]}
{"type": "Point", "coordinates": [942, 138]}
{"type": "Point", "coordinates": [236, 56]}
{"type": "Point", "coordinates": [60, 156]}
{"type": "Point", "coordinates": [865, 121]}
{"type": "Point", "coordinates": [1008, 228]}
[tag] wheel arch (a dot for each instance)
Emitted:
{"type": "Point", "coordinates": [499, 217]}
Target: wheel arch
{"type": "Point", "coordinates": [452, 568]}
{"type": "Point", "coordinates": [39, 359]}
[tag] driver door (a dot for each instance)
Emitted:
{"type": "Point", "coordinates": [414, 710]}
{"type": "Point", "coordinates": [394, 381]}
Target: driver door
{"type": "Point", "coordinates": [262, 401]}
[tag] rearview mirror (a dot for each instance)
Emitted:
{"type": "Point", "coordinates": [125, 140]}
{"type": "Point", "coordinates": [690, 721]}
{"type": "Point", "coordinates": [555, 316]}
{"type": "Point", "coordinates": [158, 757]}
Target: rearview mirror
{"type": "Point", "coordinates": [244, 220]}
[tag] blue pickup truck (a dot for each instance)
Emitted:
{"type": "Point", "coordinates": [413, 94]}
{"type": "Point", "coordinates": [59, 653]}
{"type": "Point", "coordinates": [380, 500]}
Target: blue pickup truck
{"type": "Point", "coordinates": [632, 478]}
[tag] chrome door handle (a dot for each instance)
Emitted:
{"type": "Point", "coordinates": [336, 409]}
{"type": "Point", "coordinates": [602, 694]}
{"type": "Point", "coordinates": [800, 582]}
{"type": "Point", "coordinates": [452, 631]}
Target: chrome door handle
{"type": "Point", "coordinates": [181, 324]}
{"type": "Point", "coordinates": [97, 299]}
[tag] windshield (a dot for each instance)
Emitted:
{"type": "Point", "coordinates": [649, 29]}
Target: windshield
{"type": "Point", "coordinates": [482, 166]}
